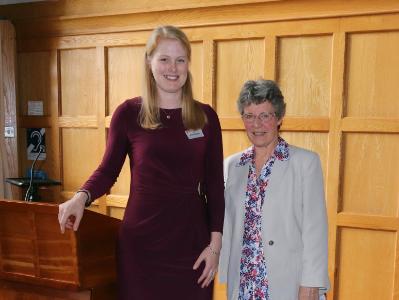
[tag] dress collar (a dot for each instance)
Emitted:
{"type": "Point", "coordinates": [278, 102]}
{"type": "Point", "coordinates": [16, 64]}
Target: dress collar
{"type": "Point", "coordinates": [281, 152]}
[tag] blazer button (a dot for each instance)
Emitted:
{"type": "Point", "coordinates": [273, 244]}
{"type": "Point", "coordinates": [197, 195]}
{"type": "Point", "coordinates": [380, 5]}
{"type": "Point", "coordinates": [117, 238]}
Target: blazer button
{"type": "Point", "coordinates": [271, 243]}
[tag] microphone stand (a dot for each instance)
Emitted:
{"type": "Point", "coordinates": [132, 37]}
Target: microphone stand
{"type": "Point", "coordinates": [32, 189]}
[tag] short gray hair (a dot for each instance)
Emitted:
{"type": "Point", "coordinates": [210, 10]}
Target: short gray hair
{"type": "Point", "coordinates": [260, 91]}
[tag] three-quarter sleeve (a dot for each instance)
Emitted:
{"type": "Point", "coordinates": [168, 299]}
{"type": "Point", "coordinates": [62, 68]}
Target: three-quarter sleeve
{"type": "Point", "coordinates": [314, 227]}
{"type": "Point", "coordinates": [107, 172]}
{"type": "Point", "coordinates": [214, 183]}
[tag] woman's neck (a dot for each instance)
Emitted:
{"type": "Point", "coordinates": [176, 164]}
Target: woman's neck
{"type": "Point", "coordinates": [262, 155]}
{"type": "Point", "coordinates": [169, 100]}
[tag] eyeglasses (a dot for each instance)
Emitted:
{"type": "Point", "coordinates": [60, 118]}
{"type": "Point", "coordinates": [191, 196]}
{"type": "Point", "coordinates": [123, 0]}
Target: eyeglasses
{"type": "Point", "coordinates": [263, 117]}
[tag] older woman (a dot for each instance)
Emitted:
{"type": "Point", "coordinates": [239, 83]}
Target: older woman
{"type": "Point", "coordinates": [275, 226]}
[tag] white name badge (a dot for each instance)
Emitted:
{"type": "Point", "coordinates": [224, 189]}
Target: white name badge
{"type": "Point", "coordinates": [194, 134]}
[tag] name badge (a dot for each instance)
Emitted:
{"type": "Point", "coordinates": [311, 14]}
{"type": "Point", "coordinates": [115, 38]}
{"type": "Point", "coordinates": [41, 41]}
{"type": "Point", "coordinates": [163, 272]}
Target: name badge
{"type": "Point", "coordinates": [194, 134]}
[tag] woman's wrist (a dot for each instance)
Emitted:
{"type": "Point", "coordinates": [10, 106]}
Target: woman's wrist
{"type": "Point", "coordinates": [83, 196]}
{"type": "Point", "coordinates": [216, 242]}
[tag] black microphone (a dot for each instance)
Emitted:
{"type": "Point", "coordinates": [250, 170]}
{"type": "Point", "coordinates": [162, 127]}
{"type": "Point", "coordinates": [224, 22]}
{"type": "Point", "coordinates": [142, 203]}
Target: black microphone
{"type": "Point", "coordinates": [29, 191]}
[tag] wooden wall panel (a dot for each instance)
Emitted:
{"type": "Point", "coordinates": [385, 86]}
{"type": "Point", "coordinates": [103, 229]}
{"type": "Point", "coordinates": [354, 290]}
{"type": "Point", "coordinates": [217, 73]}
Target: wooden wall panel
{"type": "Point", "coordinates": [33, 80]}
{"type": "Point", "coordinates": [370, 174]}
{"type": "Point", "coordinates": [366, 262]}
{"type": "Point", "coordinates": [81, 153]}
{"type": "Point", "coordinates": [304, 74]}
{"type": "Point", "coordinates": [336, 62]}
{"type": "Point", "coordinates": [82, 115]}
{"type": "Point", "coordinates": [125, 74]}
{"type": "Point", "coordinates": [237, 62]}
{"type": "Point", "coordinates": [372, 75]}
{"type": "Point", "coordinates": [79, 84]}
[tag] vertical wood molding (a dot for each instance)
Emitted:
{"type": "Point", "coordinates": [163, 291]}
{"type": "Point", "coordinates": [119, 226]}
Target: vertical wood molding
{"type": "Point", "coordinates": [2, 119]}
{"type": "Point", "coordinates": [270, 57]}
{"type": "Point", "coordinates": [396, 274]}
{"type": "Point", "coordinates": [101, 70]}
{"type": "Point", "coordinates": [334, 146]}
{"type": "Point", "coordinates": [209, 69]}
{"type": "Point", "coordinates": [55, 134]}
{"type": "Point", "coordinates": [9, 149]}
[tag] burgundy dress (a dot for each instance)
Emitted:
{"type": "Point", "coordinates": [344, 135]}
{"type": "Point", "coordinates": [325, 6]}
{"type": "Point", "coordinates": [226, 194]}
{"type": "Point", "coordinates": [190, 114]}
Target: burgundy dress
{"type": "Point", "coordinates": [166, 223]}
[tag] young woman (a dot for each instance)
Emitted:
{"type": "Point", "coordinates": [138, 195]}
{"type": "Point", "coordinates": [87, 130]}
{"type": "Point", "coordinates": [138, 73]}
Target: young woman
{"type": "Point", "coordinates": [170, 237]}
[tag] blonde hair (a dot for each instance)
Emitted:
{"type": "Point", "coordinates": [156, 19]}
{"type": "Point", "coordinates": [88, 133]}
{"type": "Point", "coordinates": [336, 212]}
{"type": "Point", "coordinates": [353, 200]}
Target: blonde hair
{"type": "Point", "coordinates": [149, 116]}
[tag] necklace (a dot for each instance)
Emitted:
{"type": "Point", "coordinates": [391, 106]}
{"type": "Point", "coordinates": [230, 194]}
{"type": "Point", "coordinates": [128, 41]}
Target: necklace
{"type": "Point", "coordinates": [168, 112]}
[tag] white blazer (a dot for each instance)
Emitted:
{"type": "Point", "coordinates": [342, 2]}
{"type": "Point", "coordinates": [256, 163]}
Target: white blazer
{"type": "Point", "coordinates": [294, 225]}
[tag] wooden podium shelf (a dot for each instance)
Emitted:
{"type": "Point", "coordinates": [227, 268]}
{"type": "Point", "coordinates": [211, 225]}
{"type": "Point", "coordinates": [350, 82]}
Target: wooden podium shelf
{"type": "Point", "coordinates": [34, 255]}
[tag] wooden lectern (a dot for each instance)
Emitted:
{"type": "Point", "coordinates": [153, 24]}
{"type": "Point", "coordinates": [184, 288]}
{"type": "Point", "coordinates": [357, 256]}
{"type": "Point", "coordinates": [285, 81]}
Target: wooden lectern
{"type": "Point", "coordinates": [38, 262]}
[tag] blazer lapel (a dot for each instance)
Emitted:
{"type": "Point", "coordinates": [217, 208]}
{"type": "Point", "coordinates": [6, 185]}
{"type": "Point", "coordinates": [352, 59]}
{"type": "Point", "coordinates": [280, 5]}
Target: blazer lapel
{"type": "Point", "coordinates": [242, 178]}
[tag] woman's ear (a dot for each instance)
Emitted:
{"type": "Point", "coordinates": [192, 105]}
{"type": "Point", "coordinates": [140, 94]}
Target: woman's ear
{"type": "Point", "coordinates": [148, 59]}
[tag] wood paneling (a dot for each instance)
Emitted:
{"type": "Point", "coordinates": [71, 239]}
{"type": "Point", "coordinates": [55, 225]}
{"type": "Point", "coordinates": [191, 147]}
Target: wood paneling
{"type": "Point", "coordinates": [304, 74]}
{"type": "Point", "coordinates": [9, 166]}
{"type": "Point", "coordinates": [33, 80]}
{"type": "Point", "coordinates": [365, 260]}
{"type": "Point", "coordinates": [125, 74]}
{"type": "Point", "coordinates": [184, 16]}
{"type": "Point", "coordinates": [115, 7]}
{"type": "Point", "coordinates": [336, 62]}
{"type": "Point", "coordinates": [81, 153]}
{"type": "Point", "coordinates": [78, 70]}
{"type": "Point", "coordinates": [372, 75]}
{"type": "Point", "coordinates": [38, 81]}
{"type": "Point", "coordinates": [369, 182]}
{"type": "Point", "coordinates": [237, 61]}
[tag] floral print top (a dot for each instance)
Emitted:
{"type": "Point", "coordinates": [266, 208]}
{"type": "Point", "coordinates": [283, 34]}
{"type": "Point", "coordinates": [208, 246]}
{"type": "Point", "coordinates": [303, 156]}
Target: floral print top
{"type": "Point", "coordinates": [254, 284]}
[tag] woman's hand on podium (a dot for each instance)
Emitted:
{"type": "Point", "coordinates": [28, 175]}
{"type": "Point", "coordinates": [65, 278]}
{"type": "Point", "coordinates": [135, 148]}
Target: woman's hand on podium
{"type": "Point", "coordinates": [70, 213]}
